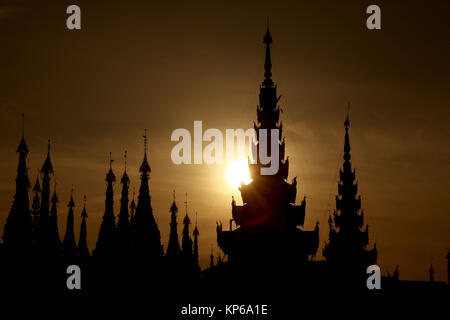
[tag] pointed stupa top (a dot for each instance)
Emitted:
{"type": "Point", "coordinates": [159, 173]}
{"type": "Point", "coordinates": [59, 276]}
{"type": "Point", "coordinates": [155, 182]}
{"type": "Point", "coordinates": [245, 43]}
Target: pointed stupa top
{"type": "Point", "coordinates": [22, 147]}
{"type": "Point", "coordinates": [145, 167]}
{"type": "Point", "coordinates": [110, 177]}
{"type": "Point", "coordinates": [347, 155]}
{"type": "Point", "coordinates": [186, 218]}
{"type": "Point", "coordinates": [268, 60]}
{"type": "Point", "coordinates": [37, 185]}
{"type": "Point", "coordinates": [196, 233]}
{"type": "Point", "coordinates": [84, 213]}
{"type": "Point", "coordinates": [125, 178]}
{"type": "Point", "coordinates": [47, 166]}
{"type": "Point", "coordinates": [71, 203]}
{"type": "Point", "coordinates": [54, 197]}
{"type": "Point", "coordinates": [173, 207]}
{"type": "Point", "coordinates": [133, 203]}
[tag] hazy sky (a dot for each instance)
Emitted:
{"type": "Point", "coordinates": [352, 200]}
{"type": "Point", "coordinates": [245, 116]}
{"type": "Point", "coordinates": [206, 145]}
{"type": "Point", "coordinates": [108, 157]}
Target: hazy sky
{"type": "Point", "coordinates": [161, 65]}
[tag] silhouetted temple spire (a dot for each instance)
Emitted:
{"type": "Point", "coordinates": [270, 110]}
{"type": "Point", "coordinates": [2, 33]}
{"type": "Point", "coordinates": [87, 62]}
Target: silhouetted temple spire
{"type": "Point", "coordinates": [53, 220]}
{"type": "Point", "coordinates": [123, 224]}
{"type": "Point", "coordinates": [132, 213]}
{"type": "Point", "coordinates": [173, 248]}
{"type": "Point", "coordinates": [107, 235]}
{"type": "Point", "coordinates": [145, 167]}
{"type": "Point", "coordinates": [448, 267]}
{"type": "Point", "coordinates": [196, 265]}
{"type": "Point", "coordinates": [347, 155]}
{"type": "Point", "coordinates": [211, 259]}
{"type": "Point", "coordinates": [69, 244]}
{"type": "Point", "coordinates": [146, 235]}
{"type": "Point", "coordinates": [267, 222]}
{"type": "Point", "coordinates": [83, 250]}
{"type": "Point", "coordinates": [347, 241]}
{"type": "Point", "coordinates": [17, 235]}
{"type": "Point", "coordinates": [268, 60]}
{"type": "Point", "coordinates": [396, 274]}
{"type": "Point", "coordinates": [44, 229]}
{"type": "Point", "coordinates": [186, 242]}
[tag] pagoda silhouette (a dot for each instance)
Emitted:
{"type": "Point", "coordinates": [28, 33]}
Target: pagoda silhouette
{"type": "Point", "coordinates": [268, 220]}
{"type": "Point", "coordinates": [266, 245]}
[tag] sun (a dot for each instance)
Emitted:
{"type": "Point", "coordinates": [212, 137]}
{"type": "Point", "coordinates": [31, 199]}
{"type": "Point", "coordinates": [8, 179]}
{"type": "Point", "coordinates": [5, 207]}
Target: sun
{"type": "Point", "coordinates": [238, 173]}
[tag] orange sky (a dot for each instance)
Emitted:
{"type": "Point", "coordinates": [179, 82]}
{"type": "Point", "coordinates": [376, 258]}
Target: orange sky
{"type": "Point", "coordinates": [160, 66]}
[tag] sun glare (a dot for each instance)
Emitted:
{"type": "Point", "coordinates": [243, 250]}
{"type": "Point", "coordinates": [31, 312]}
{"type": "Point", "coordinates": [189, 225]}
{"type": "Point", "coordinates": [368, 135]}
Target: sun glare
{"type": "Point", "coordinates": [238, 173]}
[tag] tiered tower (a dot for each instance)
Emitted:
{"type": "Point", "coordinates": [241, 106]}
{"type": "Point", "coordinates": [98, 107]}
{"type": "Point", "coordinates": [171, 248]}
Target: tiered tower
{"type": "Point", "coordinates": [17, 234]}
{"type": "Point", "coordinates": [347, 241]}
{"type": "Point", "coordinates": [146, 235]}
{"type": "Point", "coordinates": [268, 220]}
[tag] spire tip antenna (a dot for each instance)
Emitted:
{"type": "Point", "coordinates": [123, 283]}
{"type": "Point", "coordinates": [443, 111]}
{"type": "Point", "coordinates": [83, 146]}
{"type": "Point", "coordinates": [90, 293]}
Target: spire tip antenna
{"type": "Point", "coordinates": [347, 121]}
{"type": "Point", "coordinates": [110, 160]}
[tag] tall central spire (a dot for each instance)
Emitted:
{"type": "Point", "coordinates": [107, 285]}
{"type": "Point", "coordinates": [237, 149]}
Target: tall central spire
{"type": "Point", "coordinates": [267, 222]}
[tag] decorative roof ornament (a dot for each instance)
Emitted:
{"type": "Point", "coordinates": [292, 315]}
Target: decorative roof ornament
{"type": "Point", "coordinates": [47, 166]}
{"type": "Point", "coordinates": [110, 177]}
{"type": "Point", "coordinates": [84, 213]}
{"type": "Point", "coordinates": [71, 203]}
{"type": "Point", "coordinates": [125, 178]}
{"type": "Point", "coordinates": [145, 167]}
{"type": "Point", "coordinates": [268, 60]}
{"type": "Point", "coordinates": [347, 148]}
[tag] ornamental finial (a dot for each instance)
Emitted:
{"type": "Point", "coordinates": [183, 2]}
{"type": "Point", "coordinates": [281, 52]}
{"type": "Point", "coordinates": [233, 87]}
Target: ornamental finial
{"type": "Point", "coordinates": [110, 160]}
{"type": "Point", "coordinates": [347, 122]}
{"type": "Point", "coordinates": [23, 125]}
{"type": "Point", "coordinates": [145, 141]}
{"type": "Point", "coordinates": [268, 60]}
